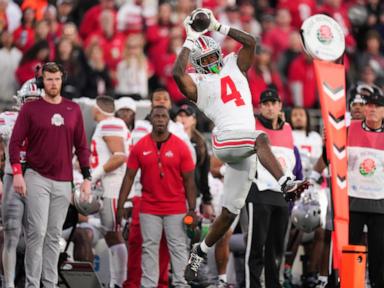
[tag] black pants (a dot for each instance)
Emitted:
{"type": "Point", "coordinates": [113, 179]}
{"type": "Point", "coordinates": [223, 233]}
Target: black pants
{"type": "Point", "coordinates": [265, 247]}
{"type": "Point", "coordinates": [375, 223]}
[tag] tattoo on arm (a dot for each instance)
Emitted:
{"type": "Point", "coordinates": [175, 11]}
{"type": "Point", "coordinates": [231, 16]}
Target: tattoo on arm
{"type": "Point", "coordinates": [243, 37]}
{"type": "Point", "coordinates": [247, 52]}
{"type": "Point", "coordinates": [181, 62]}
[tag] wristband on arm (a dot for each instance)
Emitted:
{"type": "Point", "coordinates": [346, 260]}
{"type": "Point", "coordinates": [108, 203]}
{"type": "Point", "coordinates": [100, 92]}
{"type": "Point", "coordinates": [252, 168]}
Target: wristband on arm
{"type": "Point", "coordinates": [17, 169]}
{"type": "Point", "coordinates": [224, 29]}
{"type": "Point", "coordinates": [86, 172]}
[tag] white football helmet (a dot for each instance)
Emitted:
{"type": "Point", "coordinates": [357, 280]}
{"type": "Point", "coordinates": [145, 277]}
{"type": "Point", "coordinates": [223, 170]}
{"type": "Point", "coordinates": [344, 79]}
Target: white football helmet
{"type": "Point", "coordinates": [203, 47]}
{"type": "Point", "coordinates": [91, 206]}
{"type": "Point", "coordinates": [306, 214]}
{"type": "Point", "coordinates": [27, 90]}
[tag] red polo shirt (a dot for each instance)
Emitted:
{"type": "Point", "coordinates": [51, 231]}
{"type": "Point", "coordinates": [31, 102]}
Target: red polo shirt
{"type": "Point", "coordinates": [163, 190]}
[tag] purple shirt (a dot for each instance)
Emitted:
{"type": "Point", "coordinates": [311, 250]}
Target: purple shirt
{"type": "Point", "coordinates": [51, 130]}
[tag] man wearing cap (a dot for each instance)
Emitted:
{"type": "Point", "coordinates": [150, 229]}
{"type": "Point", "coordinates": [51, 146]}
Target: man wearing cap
{"type": "Point", "coordinates": [365, 183]}
{"type": "Point", "coordinates": [357, 99]}
{"type": "Point", "coordinates": [267, 208]}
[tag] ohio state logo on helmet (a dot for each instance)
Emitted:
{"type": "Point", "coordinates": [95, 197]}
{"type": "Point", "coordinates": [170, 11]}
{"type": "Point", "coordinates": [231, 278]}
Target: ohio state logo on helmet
{"type": "Point", "coordinates": [28, 90]}
{"type": "Point", "coordinates": [203, 47]}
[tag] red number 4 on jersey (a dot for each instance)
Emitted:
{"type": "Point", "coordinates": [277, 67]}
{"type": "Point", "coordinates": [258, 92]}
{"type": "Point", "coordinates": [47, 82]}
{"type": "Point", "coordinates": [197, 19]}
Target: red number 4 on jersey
{"type": "Point", "coordinates": [229, 91]}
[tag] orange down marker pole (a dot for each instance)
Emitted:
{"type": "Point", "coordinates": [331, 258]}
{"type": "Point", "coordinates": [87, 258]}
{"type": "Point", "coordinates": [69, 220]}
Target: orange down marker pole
{"type": "Point", "coordinates": [330, 79]}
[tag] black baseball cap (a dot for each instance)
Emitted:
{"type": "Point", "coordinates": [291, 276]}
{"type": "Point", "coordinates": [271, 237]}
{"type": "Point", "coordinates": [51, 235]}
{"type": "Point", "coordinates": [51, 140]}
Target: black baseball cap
{"type": "Point", "coordinates": [357, 99]}
{"type": "Point", "coordinates": [269, 95]}
{"type": "Point", "coordinates": [359, 92]}
{"type": "Point", "coordinates": [187, 109]}
{"type": "Point", "coordinates": [376, 98]}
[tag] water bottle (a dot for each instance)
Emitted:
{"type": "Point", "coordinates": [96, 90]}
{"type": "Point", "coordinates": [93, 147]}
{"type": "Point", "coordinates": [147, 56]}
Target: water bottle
{"type": "Point", "coordinates": [205, 225]}
{"type": "Point", "coordinates": [188, 221]}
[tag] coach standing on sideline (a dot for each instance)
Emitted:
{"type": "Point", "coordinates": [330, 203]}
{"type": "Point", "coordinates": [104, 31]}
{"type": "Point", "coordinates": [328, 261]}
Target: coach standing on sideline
{"type": "Point", "coordinates": [52, 126]}
{"type": "Point", "coordinates": [365, 183]}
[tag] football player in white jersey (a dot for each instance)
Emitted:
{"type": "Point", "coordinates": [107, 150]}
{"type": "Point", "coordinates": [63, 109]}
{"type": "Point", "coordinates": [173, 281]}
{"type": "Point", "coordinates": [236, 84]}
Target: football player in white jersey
{"type": "Point", "coordinates": [13, 204]}
{"type": "Point", "coordinates": [220, 89]}
{"type": "Point", "coordinates": [108, 162]}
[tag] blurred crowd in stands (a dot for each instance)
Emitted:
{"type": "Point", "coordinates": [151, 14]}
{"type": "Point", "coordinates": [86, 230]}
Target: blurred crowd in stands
{"type": "Point", "coordinates": [128, 47]}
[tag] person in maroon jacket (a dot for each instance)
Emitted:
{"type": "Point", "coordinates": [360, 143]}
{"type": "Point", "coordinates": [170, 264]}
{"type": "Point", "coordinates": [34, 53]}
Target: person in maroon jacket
{"type": "Point", "coordinates": [52, 126]}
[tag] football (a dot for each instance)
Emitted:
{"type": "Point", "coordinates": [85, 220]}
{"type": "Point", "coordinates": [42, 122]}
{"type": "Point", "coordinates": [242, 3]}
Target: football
{"type": "Point", "coordinates": [200, 21]}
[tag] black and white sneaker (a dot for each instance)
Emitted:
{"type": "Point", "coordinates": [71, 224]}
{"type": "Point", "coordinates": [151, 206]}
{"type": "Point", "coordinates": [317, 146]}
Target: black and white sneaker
{"type": "Point", "coordinates": [195, 259]}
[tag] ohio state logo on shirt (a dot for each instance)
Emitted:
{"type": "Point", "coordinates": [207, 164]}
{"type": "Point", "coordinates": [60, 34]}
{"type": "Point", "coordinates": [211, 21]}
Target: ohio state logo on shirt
{"type": "Point", "coordinates": [169, 154]}
{"type": "Point", "coordinates": [57, 120]}
{"type": "Point", "coordinates": [367, 167]}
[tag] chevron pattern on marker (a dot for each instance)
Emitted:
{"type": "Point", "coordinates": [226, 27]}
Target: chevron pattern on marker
{"type": "Point", "coordinates": [330, 80]}
{"type": "Point", "coordinates": [341, 181]}
{"type": "Point", "coordinates": [338, 123]}
{"type": "Point", "coordinates": [339, 152]}
{"type": "Point", "coordinates": [334, 93]}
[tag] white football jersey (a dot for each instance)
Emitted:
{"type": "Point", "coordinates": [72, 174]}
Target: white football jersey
{"type": "Point", "coordinates": [7, 122]}
{"type": "Point", "coordinates": [310, 149]}
{"type": "Point", "coordinates": [225, 97]}
{"type": "Point", "coordinates": [100, 152]}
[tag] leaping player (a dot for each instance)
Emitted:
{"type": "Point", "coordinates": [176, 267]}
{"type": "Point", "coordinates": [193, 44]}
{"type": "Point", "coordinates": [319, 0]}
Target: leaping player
{"type": "Point", "coordinates": [220, 89]}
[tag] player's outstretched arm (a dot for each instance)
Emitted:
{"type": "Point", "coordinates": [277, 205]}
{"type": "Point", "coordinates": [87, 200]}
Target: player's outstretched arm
{"type": "Point", "coordinates": [246, 53]}
{"type": "Point", "coordinates": [183, 80]}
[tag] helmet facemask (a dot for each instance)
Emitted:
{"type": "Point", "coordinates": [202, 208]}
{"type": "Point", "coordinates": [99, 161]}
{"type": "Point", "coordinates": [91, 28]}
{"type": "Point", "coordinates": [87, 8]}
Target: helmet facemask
{"type": "Point", "coordinates": [213, 67]}
{"type": "Point", "coordinates": [204, 47]}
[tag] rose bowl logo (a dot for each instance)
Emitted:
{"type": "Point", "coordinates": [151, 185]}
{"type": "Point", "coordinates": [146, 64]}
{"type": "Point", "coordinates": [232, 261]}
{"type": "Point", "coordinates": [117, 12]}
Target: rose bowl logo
{"type": "Point", "coordinates": [324, 34]}
{"type": "Point", "coordinates": [323, 38]}
{"type": "Point", "coordinates": [367, 167]}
